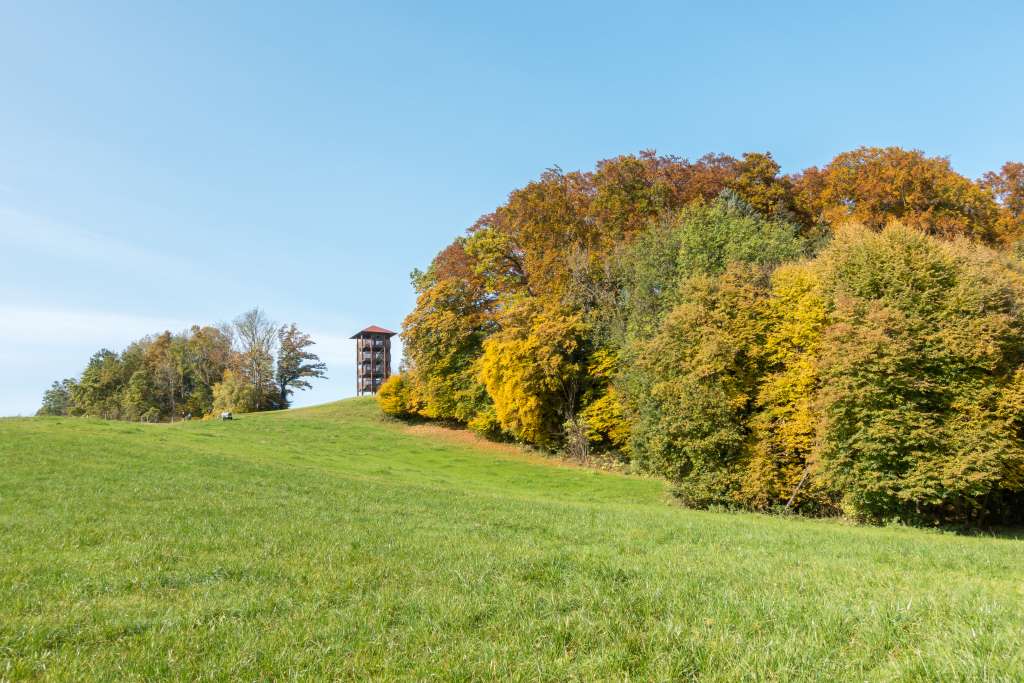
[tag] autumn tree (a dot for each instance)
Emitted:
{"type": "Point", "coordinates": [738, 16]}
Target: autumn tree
{"type": "Point", "coordinates": [1007, 186]}
{"type": "Point", "coordinates": [396, 396]}
{"type": "Point", "coordinates": [873, 185]}
{"type": "Point", "coordinates": [541, 222]}
{"type": "Point", "coordinates": [167, 373]}
{"type": "Point", "coordinates": [567, 221]}
{"type": "Point", "coordinates": [443, 336]}
{"type": "Point", "coordinates": [760, 184]}
{"type": "Point", "coordinates": [534, 370]}
{"type": "Point", "coordinates": [207, 354]}
{"type": "Point", "coordinates": [784, 423]}
{"type": "Point", "coordinates": [256, 339]}
{"type": "Point", "coordinates": [604, 418]}
{"type": "Point", "coordinates": [630, 191]}
{"type": "Point", "coordinates": [235, 393]}
{"type": "Point", "coordinates": [170, 375]}
{"type": "Point", "coordinates": [702, 319]}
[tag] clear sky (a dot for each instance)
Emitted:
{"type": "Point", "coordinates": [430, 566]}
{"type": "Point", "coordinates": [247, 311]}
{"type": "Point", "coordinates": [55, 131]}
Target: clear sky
{"type": "Point", "coordinates": [161, 166]}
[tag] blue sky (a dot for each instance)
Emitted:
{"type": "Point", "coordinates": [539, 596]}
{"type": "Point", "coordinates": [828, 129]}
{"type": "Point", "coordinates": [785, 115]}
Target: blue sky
{"type": "Point", "coordinates": [167, 165]}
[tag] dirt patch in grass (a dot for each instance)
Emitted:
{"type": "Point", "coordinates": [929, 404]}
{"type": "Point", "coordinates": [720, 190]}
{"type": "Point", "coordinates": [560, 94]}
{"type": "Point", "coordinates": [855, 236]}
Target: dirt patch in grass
{"type": "Point", "coordinates": [512, 450]}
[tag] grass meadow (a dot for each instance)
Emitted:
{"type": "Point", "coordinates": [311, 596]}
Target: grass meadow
{"type": "Point", "coordinates": [330, 544]}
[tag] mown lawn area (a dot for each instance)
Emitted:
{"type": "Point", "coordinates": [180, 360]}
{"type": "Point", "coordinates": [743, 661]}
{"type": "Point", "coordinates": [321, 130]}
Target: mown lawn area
{"type": "Point", "coordinates": [329, 543]}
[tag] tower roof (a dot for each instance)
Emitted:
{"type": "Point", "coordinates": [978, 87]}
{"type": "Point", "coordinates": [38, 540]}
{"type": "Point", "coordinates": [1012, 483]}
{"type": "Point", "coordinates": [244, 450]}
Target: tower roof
{"type": "Point", "coordinates": [373, 329]}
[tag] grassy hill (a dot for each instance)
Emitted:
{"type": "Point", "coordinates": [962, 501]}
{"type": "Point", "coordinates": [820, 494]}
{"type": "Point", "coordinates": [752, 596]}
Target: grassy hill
{"type": "Point", "coordinates": [326, 543]}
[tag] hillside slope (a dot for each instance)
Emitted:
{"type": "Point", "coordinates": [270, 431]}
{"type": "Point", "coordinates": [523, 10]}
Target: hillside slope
{"type": "Point", "coordinates": [329, 543]}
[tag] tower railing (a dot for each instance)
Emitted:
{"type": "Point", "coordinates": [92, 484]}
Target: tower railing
{"type": "Point", "coordinates": [373, 360]}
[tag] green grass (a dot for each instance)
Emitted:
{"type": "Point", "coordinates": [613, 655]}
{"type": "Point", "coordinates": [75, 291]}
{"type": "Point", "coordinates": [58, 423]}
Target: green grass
{"type": "Point", "coordinates": [328, 543]}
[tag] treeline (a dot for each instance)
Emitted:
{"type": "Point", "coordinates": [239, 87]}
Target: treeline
{"type": "Point", "coordinates": [249, 365]}
{"type": "Point", "coordinates": [845, 340]}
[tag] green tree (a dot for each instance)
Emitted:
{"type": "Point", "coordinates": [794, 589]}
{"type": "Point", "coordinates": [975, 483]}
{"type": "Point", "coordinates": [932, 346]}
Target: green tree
{"type": "Point", "coordinates": [918, 367]}
{"type": "Point", "coordinates": [694, 385]}
{"type": "Point", "coordinates": [57, 400]}
{"type": "Point", "coordinates": [139, 400]}
{"type": "Point", "coordinates": [98, 391]}
{"type": "Point", "coordinates": [695, 297]}
{"type": "Point", "coordinates": [295, 365]}
{"type": "Point", "coordinates": [728, 230]}
{"type": "Point", "coordinates": [700, 239]}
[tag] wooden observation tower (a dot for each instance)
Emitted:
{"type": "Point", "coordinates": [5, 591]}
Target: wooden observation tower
{"type": "Point", "coordinates": [373, 358]}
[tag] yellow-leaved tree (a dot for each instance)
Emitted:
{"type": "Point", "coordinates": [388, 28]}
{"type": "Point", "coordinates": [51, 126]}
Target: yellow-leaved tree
{"type": "Point", "coordinates": [605, 415]}
{"type": "Point", "coordinates": [534, 370]}
{"type": "Point", "coordinates": [785, 422]}
{"type": "Point", "coordinates": [397, 396]}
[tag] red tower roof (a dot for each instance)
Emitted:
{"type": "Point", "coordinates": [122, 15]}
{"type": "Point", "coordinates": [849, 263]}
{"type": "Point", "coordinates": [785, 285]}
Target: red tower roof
{"type": "Point", "coordinates": [373, 329]}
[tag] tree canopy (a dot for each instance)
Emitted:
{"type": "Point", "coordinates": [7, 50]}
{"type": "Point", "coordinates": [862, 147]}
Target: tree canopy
{"type": "Point", "coordinates": [841, 340]}
{"type": "Point", "coordinates": [167, 376]}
